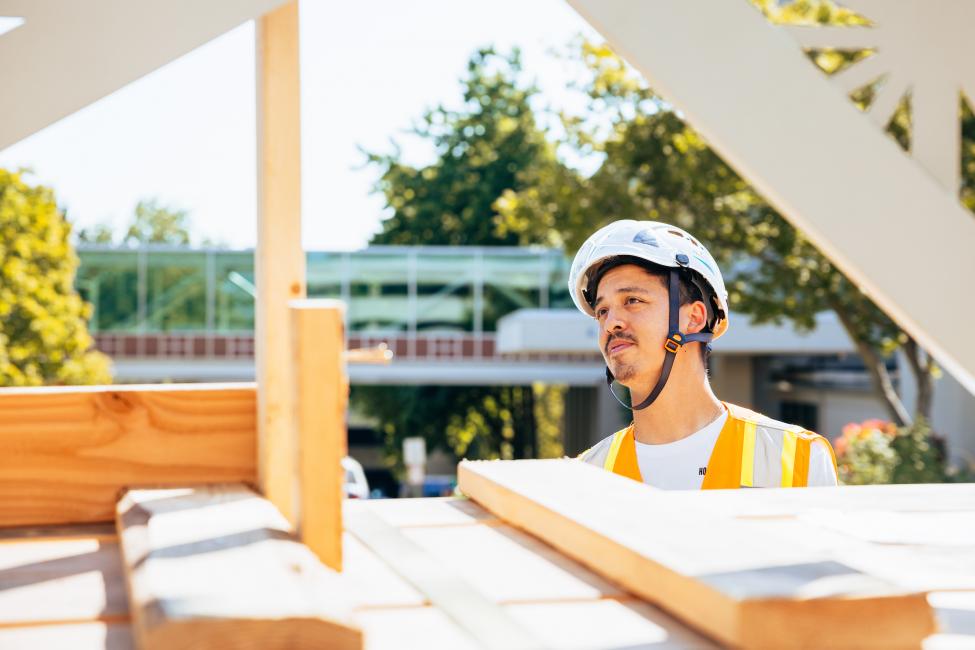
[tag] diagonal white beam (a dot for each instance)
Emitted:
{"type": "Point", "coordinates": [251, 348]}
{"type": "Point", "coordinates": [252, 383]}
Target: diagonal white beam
{"type": "Point", "coordinates": [881, 219]}
{"type": "Point", "coordinates": [840, 38]}
{"type": "Point", "coordinates": [861, 73]}
{"type": "Point", "coordinates": [69, 54]}
{"type": "Point", "coordinates": [887, 99]}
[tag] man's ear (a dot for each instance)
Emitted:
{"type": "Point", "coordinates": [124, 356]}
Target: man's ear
{"type": "Point", "coordinates": [697, 317]}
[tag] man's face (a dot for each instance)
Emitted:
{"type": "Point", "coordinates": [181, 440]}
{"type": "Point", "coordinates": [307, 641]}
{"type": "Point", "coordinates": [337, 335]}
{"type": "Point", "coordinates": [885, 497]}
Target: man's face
{"type": "Point", "coordinates": [632, 308]}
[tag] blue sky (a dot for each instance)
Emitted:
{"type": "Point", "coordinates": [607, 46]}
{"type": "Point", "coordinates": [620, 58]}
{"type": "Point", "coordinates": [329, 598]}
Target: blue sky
{"type": "Point", "coordinates": [185, 133]}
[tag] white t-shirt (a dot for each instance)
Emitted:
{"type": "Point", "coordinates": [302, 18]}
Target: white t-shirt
{"type": "Point", "coordinates": [681, 465]}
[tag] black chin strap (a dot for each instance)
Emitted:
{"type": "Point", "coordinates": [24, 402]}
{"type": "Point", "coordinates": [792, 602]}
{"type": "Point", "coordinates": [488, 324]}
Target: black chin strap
{"type": "Point", "coordinates": [675, 341]}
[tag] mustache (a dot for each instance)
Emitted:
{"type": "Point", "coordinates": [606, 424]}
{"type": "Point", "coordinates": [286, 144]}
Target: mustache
{"type": "Point", "coordinates": [619, 335]}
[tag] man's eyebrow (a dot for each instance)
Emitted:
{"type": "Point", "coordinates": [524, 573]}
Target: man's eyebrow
{"type": "Point", "coordinates": [599, 299]}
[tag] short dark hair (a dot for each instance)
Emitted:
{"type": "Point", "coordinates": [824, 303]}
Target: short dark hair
{"type": "Point", "coordinates": [688, 288]}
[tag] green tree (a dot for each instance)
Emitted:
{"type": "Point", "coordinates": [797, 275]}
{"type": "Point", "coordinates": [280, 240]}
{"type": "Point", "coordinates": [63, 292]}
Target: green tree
{"type": "Point", "coordinates": [99, 233]}
{"type": "Point", "coordinates": [655, 166]}
{"type": "Point", "coordinates": [468, 421]}
{"type": "Point", "coordinates": [483, 149]}
{"type": "Point", "coordinates": [153, 223]}
{"type": "Point", "coordinates": [43, 322]}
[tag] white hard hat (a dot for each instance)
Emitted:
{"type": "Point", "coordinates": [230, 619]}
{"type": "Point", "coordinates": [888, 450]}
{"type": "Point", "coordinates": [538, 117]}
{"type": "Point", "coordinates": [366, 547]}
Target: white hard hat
{"type": "Point", "coordinates": [656, 242]}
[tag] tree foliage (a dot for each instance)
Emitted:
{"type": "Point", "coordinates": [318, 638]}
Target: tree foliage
{"type": "Point", "coordinates": [655, 166]}
{"type": "Point", "coordinates": [43, 322]}
{"type": "Point", "coordinates": [467, 421]}
{"type": "Point", "coordinates": [154, 223]}
{"type": "Point", "coordinates": [99, 233]}
{"type": "Point", "coordinates": [482, 150]}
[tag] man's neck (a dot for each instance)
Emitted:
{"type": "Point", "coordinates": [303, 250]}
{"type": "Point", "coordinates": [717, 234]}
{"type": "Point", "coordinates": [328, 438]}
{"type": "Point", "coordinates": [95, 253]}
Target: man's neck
{"type": "Point", "coordinates": [683, 408]}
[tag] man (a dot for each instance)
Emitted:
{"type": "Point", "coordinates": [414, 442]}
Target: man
{"type": "Point", "coordinates": [660, 300]}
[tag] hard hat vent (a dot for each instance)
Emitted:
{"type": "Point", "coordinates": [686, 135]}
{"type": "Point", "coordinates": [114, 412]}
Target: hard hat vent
{"type": "Point", "coordinates": [646, 237]}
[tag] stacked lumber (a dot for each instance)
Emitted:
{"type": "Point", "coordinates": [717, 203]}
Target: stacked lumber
{"type": "Point", "coordinates": [844, 567]}
{"type": "Point", "coordinates": [63, 587]}
{"type": "Point", "coordinates": [446, 574]}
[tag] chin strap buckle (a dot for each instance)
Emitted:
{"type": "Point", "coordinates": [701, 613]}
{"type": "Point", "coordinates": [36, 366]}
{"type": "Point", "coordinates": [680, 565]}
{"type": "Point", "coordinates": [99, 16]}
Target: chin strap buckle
{"type": "Point", "coordinates": [674, 342]}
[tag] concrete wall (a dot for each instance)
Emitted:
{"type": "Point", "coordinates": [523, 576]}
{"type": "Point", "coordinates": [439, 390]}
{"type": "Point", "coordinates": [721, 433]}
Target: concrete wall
{"type": "Point", "coordinates": [732, 380]}
{"type": "Point", "coordinates": [952, 413]}
{"type": "Point", "coordinates": [836, 407]}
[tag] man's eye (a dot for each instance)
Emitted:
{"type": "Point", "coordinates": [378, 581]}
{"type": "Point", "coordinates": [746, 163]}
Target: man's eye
{"type": "Point", "coordinates": [632, 300]}
{"type": "Point", "coordinates": [601, 312]}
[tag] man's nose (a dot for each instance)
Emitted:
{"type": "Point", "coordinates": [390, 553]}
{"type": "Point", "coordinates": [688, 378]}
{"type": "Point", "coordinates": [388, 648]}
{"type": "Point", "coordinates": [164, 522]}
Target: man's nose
{"type": "Point", "coordinates": [613, 321]}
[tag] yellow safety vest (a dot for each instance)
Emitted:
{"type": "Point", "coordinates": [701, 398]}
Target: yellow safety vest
{"type": "Point", "coordinates": [751, 451]}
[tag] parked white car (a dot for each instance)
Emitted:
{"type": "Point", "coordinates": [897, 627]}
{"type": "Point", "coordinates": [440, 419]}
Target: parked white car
{"type": "Point", "coordinates": [356, 485]}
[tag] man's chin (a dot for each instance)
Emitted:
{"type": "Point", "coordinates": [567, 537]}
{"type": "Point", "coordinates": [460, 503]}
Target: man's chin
{"type": "Point", "coordinates": [622, 373]}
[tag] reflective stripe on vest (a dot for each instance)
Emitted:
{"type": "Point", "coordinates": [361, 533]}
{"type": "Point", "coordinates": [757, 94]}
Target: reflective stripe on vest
{"type": "Point", "coordinates": [746, 454]}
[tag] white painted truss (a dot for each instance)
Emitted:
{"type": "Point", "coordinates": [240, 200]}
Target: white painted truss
{"type": "Point", "coordinates": [885, 220]}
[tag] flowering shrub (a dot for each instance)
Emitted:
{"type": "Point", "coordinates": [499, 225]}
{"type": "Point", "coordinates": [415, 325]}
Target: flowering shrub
{"type": "Point", "coordinates": [864, 454]}
{"type": "Point", "coordinates": [875, 451]}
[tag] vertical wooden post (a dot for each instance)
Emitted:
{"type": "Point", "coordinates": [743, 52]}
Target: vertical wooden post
{"type": "Point", "coordinates": [322, 396]}
{"type": "Point", "coordinates": [280, 262]}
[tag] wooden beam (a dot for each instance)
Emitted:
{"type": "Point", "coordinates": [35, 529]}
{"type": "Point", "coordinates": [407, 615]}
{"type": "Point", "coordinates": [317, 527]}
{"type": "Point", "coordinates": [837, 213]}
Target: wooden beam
{"type": "Point", "coordinates": [67, 452]}
{"type": "Point", "coordinates": [322, 388]}
{"type": "Point", "coordinates": [280, 262]}
{"type": "Point", "coordinates": [218, 567]}
{"type": "Point", "coordinates": [749, 584]}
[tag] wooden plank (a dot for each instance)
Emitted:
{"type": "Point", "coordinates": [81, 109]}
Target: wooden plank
{"type": "Point", "coordinates": [74, 636]}
{"type": "Point", "coordinates": [371, 581]}
{"type": "Point", "coordinates": [322, 389]}
{"type": "Point", "coordinates": [67, 452]}
{"type": "Point", "coordinates": [413, 627]}
{"type": "Point", "coordinates": [437, 511]}
{"type": "Point", "coordinates": [520, 568]}
{"type": "Point", "coordinates": [922, 498]}
{"type": "Point", "coordinates": [956, 618]}
{"type": "Point", "coordinates": [510, 566]}
{"type": "Point", "coordinates": [279, 260]}
{"type": "Point", "coordinates": [472, 611]}
{"type": "Point", "coordinates": [586, 625]}
{"type": "Point", "coordinates": [920, 537]}
{"type": "Point", "coordinates": [735, 580]}
{"type": "Point", "coordinates": [607, 624]}
{"type": "Point", "coordinates": [561, 602]}
{"type": "Point", "coordinates": [69, 579]}
{"type": "Point", "coordinates": [218, 567]}
{"type": "Point", "coordinates": [20, 534]}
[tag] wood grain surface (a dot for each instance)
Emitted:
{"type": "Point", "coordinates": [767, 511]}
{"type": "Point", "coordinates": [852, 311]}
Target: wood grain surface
{"type": "Point", "coordinates": [68, 452]}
